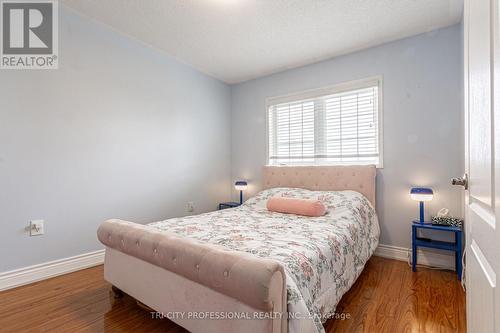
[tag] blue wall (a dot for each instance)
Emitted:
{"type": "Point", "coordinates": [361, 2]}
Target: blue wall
{"type": "Point", "coordinates": [118, 131]}
{"type": "Point", "coordinates": [423, 128]}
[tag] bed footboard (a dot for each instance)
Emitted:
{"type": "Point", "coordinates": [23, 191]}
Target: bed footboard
{"type": "Point", "coordinates": [236, 280]}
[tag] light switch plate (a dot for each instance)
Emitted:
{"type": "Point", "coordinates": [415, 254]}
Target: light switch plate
{"type": "Point", "coordinates": [37, 227]}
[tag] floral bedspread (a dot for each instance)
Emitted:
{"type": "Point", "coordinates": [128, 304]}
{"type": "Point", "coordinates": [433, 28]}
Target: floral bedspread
{"type": "Point", "coordinates": [322, 256]}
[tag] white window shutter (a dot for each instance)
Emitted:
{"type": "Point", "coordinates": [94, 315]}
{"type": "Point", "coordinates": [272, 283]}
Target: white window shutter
{"type": "Point", "coordinates": [334, 128]}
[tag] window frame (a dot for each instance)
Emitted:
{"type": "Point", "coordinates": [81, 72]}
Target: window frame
{"type": "Point", "coordinates": [330, 90]}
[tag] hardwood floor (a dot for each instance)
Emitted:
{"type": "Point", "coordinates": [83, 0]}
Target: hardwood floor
{"type": "Point", "coordinates": [387, 297]}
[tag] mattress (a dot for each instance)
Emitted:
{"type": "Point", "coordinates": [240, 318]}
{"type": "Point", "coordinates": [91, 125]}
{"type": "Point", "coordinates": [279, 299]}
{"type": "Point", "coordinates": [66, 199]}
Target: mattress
{"type": "Point", "coordinates": [322, 256]}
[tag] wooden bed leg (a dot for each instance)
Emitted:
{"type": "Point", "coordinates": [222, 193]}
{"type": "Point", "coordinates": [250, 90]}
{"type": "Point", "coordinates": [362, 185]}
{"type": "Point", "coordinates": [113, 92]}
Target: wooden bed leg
{"type": "Point", "coordinates": [117, 292]}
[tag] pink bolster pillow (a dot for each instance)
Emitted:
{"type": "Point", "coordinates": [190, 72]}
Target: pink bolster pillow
{"type": "Point", "coordinates": [305, 207]}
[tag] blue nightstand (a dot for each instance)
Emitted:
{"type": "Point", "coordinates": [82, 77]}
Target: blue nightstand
{"type": "Point", "coordinates": [450, 246]}
{"type": "Point", "coordinates": [224, 205]}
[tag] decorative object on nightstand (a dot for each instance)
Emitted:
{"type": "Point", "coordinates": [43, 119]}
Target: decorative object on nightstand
{"type": "Point", "coordinates": [421, 194]}
{"type": "Point", "coordinates": [449, 221]}
{"type": "Point", "coordinates": [434, 244]}
{"type": "Point", "coordinates": [224, 205]}
{"type": "Point", "coordinates": [444, 218]}
{"type": "Point", "coordinates": [241, 185]}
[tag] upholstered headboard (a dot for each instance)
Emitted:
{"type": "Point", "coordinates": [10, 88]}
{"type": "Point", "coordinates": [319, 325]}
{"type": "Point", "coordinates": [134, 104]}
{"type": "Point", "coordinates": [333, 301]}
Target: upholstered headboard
{"type": "Point", "coordinates": [359, 178]}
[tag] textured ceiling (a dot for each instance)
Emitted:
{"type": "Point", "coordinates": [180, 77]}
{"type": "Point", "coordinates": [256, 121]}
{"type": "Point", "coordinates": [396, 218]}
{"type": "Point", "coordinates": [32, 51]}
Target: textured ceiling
{"type": "Point", "coordinates": [238, 40]}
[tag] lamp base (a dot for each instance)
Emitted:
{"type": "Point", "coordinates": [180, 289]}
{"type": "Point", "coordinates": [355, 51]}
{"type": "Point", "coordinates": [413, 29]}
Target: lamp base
{"type": "Point", "coordinates": [418, 222]}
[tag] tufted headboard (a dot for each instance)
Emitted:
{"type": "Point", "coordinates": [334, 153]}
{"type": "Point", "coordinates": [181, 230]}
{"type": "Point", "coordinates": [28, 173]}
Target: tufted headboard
{"type": "Point", "coordinates": [359, 178]}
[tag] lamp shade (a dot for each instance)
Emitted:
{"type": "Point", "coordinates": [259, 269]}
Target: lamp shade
{"type": "Point", "coordinates": [240, 185]}
{"type": "Point", "coordinates": [421, 194]}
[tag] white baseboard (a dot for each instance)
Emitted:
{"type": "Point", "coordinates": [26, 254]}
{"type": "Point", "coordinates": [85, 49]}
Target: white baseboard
{"type": "Point", "coordinates": [30, 274]}
{"type": "Point", "coordinates": [428, 258]}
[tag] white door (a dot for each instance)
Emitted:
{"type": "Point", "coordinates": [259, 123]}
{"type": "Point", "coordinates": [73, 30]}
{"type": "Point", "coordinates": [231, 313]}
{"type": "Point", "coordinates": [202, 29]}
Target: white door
{"type": "Point", "coordinates": [482, 133]}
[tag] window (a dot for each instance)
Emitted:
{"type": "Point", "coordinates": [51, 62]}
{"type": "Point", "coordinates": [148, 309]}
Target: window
{"type": "Point", "coordinates": [335, 125]}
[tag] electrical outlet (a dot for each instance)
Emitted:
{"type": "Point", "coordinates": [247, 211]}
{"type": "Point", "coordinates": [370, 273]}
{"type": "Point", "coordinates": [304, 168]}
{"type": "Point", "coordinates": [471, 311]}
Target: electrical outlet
{"type": "Point", "coordinates": [36, 228]}
{"type": "Point", "coordinates": [190, 206]}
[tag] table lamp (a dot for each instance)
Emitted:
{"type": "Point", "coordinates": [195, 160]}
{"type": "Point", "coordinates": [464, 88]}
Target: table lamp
{"type": "Point", "coordinates": [240, 185]}
{"type": "Point", "coordinates": [421, 194]}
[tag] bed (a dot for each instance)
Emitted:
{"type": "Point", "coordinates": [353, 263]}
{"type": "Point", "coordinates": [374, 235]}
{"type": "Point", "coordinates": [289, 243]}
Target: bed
{"type": "Point", "coordinates": [246, 269]}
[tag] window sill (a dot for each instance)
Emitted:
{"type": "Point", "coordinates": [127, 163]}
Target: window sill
{"type": "Point", "coordinates": [377, 166]}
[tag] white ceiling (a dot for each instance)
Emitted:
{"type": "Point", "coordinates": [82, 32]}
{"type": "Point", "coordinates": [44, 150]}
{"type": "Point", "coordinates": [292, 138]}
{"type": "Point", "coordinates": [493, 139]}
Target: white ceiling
{"type": "Point", "coordinates": [238, 40]}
